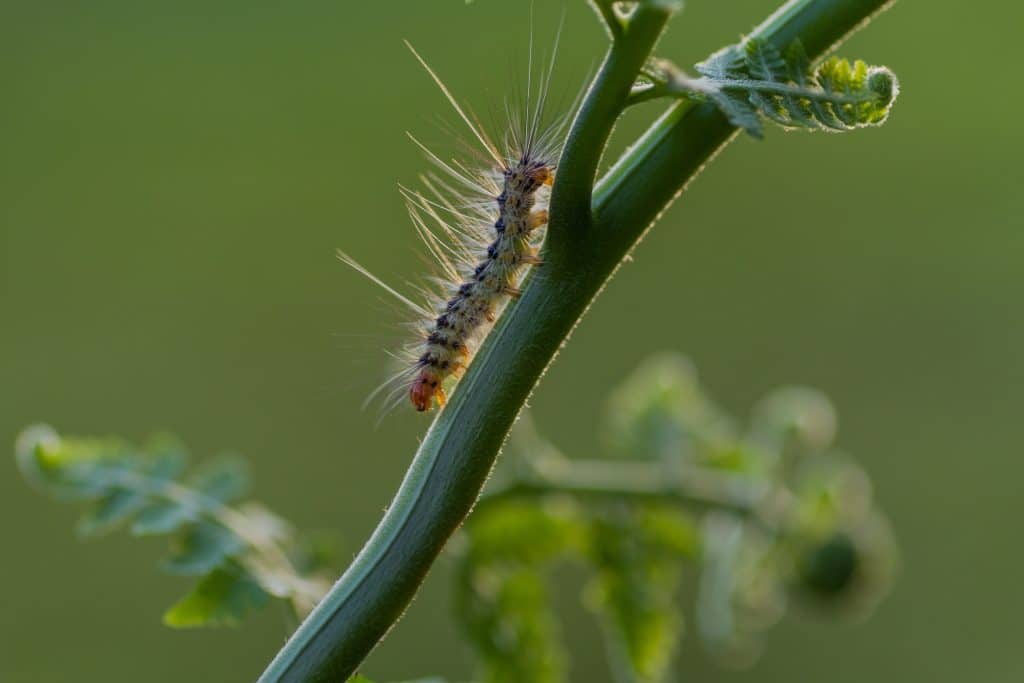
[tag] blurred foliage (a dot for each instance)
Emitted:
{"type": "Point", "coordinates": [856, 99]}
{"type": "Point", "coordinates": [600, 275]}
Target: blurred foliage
{"type": "Point", "coordinates": [754, 519]}
{"type": "Point", "coordinates": [244, 554]}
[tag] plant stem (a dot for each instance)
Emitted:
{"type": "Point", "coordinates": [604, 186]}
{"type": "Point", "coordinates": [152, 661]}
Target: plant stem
{"type": "Point", "coordinates": [650, 481]}
{"type": "Point", "coordinates": [604, 101]}
{"type": "Point", "coordinates": [451, 465]}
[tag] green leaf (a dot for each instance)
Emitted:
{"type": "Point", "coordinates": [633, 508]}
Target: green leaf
{"type": "Point", "coordinates": [112, 511]}
{"type": "Point", "coordinates": [796, 419]}
{"type": "Point", "coordinates": [740, 112]}
{"type": "Point", "coordinates": [224, 478]}
{"type": "Point", "coordinates": [141, 486]}
{"type": "Point", "coordinates": [163, 518]}
{"type": "Point", "coordinates": [84, 469]}
{"type": "Point", "coordinates": [525, 531]}
{"type": "Point", "coordinates": [765, 62]}
{"type": "Point", "coordinates": [221, 598]}
{"type": "Point", "coordinates": [29, 449]}
{"type": "Point", "coordinates": [661, 412]}
{"type": "Point", "coordinates": [725, 64]}
{"type": "Point", "coordinates": [503, 602]}
{"type": "Point", "coordinates": [757, 80]}
{"type": "Point", "coordinates": [202, 549]}
{"type": "Point", "coordinates": [166, 457]}
{"type": "Point", "coordinates": [509, 619]}
{"type": "Point", "coordinates": [638, 555]}
{"type": "Point", "coordinates": [316, 551]}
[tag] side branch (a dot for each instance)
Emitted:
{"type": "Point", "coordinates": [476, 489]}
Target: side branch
{"type": "Point", "coordinates": [605, 99]}
{"type": "Point", "coordinates": [606, 10]}
{"type": "Point", "coordinates": [603, 480]}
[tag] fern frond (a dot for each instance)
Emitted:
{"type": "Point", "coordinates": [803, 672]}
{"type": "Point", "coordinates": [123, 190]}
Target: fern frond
{"type": "Point", "coordinates": [754, 81]}
{"type": "Point", "coordinates": [766, 513]}
{"type": "Point", "coordinates": [243, 553]}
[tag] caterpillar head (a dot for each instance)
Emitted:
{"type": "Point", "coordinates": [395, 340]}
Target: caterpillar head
{"type": "Point", "coordinates": [423, 389]}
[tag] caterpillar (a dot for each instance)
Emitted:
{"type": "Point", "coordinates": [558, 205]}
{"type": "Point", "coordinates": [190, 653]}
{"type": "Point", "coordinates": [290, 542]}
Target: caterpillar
{"type": "Point", "coordinates": [480, 222]}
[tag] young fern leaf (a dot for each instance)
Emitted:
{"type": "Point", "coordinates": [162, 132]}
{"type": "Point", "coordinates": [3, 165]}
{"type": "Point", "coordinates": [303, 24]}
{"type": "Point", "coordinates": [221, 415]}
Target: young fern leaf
{"type": "Point", "coordinates": [637, 556]}
{"type": "Point", "coordinates": [759, 517]}
{"type": "Point", "coordinates": [244, 553]}
{"type": "Point", "coordinates": [754, 81]}
{"type": "Point", "coordinates": [503, 602]}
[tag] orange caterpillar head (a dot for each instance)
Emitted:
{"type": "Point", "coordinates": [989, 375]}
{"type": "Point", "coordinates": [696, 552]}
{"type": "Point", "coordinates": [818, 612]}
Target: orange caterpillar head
{"type": "Point", "coordinates": [423, 390]}
{"type": "Point", "coordinates": [528, 175]}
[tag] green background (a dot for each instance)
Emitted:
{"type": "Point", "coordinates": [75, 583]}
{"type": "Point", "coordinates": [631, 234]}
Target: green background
{"type": "Point", "coordinates": [175, 177]}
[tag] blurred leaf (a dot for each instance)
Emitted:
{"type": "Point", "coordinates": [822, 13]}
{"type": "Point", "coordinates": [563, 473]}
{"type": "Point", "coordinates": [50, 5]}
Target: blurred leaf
{"type": "Point", "coordinates": [140, 486]}
{"type": "Point", "coordinates": [843, 552]}
{"type": "Point", "coordinates": [775, 525]}
{"type": "Point", "coordinates": [525, 530]}
{"type": "Point", "coordinates": [224, 478]}
{"type": "Point", "coordinates": [113, 510]}
{"type": "Point", "coordinates": [660, 412]}
{"type": "Point", "coordinates": [163, 518]}
{"type": "Point", "coordinates": [168, 457]}
{"type": "Point", "coordinates": [503, 603]}
{"type": "Point", "coordinates": [203, 548]}
{"type": "Point", "coordinates": [506, 614]}
{"type": "Point", "coordinates": [316, 551]}
{"type": "Point", "coordinates": [830, 490]}
{"type": "Point", "coordinates": [221, 598]}
{"type": "Point", "coordinates": [794, 418]}
{"type": "Point", "coordinates": [638, 557]}
{"type": "Point", "coordinates": [739, 594]}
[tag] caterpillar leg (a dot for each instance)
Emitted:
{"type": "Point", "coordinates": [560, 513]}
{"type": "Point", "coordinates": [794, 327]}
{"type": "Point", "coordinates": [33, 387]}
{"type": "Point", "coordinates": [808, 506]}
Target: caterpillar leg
{"type": "Point", "coordinates": [513, 292]}
{"type": "Point", "coordinates": [543, 175]}
{"type": "Point", "coordinates": [442, 398]}
{"type": "Point", "coordinates": [538, 218]}
{"type": "Point", "coordinates": [532, 259]}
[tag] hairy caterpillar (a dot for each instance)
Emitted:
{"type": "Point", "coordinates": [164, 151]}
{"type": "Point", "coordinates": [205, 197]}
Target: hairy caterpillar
{"type": "Point", "coordinates": [480, 222]}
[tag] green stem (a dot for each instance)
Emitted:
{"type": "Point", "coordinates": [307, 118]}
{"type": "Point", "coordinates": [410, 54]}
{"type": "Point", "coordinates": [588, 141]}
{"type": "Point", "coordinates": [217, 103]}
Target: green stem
{"type": "Point", "coordinates": [584, 146]}
{"type": "Point", "coordinates": [606, 10]}
{"type": "Point", "coordinates": [639, 481]}
{"type": "Point", "coordinates": [451, 465]}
